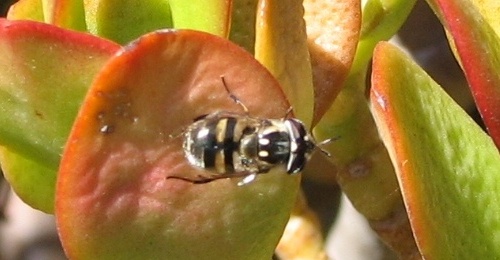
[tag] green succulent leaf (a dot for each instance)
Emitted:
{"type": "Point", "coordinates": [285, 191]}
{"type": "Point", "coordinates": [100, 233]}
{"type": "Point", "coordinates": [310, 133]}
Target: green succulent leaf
{"type": "Point", "coordinates": [489, 10]}
{"type": "Point", "coordinates": [281, 46]}
{"type": "Point", "coordinates": [364, 170]}
{"type": "Point", "coordinates": [26, 10]}
{"type": "Point", "coordinates": [243, 23]}
{"type": "Point", "coordinates": [33, 182]}
{"type": "Point", "coordinates": [69, 14]}
{"type": "Point", "coordinates": [349, 116]}
{"type": "Point", "coordinates": [349, 119]}
{"type": "Point", "coordinates": [381, 20]}
{"type": "Point", "coordinates": [211, 16]}
{"type": "Point", "coordinates": [446, 165]}
{"type": "Point", "coordinates": [478, 49]}
{"type": "Point", "coordinates": [124, 20]}
{"type": "Point", "coordinates": [45, 74]}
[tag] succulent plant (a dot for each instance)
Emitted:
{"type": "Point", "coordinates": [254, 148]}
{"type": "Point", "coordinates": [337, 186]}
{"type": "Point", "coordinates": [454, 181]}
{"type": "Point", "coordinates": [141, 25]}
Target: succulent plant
{"type": "Point", "coordinates": [94, 94]}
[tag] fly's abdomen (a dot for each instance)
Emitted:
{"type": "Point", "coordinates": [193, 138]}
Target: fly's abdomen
{"type": "Point", "coordinates": [212, 143]}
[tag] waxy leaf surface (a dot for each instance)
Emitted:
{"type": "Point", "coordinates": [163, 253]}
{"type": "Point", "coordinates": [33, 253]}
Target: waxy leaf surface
{"type": "Point", "coordinates": [69, 14]}
{"type": "Point", "coordinates": [33, 182]}
{"type": "Point", "coordinates": [478, 49]}
{"type": "Point", "coordinates": [364, 170]}
{"type": "Point", "coordinates": [243, 23]}
{"type": "Point", "coordinates": [489, 9]}
{"type": "Point", "coordinates": [45, 74]}
{"type": "Point", "coordinates": [125, 20]}
{"type": "Point", "coordinates": [114, 199]}
{"type": "Point", "coordinates": [381, 20]}
{"type": "Point", "coordinates": [281, 45]}
{"type": "Point", "coordinates": [446, 165]}
{"type": "Point", "coordinates": [211, 16]}
{"type": "Point", "coordinates": [332, 41]}
{"type": "Point", "coordinates": [26, 10]}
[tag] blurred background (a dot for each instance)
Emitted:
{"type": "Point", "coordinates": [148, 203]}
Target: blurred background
{"type": "Point", "coordinates": [28, 234]}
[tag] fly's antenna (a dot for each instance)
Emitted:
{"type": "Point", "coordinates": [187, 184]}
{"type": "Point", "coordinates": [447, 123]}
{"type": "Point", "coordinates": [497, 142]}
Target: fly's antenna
{"type": "Point", "coordinates": [232, 96]}
{"type": "Point", "coordinates": [325, 142]}
{"type": "Point", "coordinates": [319, 145]}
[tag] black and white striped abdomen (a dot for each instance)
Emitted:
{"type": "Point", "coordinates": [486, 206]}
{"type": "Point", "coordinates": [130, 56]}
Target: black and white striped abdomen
{"type": "Point", "coordinates": [212, 142]}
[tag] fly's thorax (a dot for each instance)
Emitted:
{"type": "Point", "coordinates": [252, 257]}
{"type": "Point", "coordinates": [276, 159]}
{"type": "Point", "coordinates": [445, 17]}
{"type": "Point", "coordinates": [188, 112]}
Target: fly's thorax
{"type": "Point", "coordinates": [274, 142]}
{"type": "Point", "coordinates": [265, 148]}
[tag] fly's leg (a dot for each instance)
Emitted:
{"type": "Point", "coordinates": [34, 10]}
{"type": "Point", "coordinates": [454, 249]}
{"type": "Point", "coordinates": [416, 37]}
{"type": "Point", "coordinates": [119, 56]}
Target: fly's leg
{"type": "Point", "coordinates": [288, 113]}
{"type": "Point", "coordinates": [203, 179]}
{"type": "Point", "coordinates": [232, 96]}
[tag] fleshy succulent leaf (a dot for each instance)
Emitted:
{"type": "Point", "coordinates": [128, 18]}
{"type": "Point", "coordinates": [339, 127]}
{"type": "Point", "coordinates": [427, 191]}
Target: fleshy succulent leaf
{"type": "Point", "coordinates": [69, 14]}
{"type": "Point", "coordinates": [33, 182]}
{"type": "Point", "coordinates": [26, 10]}
{"type": "Point", "coordinates": [45, 74]}
{"type": "Point", "coordinates": [113, 197]}
{"type": "Point", "coordinates": [125, 20]}
{"type": "Point", "coordinates": [489, 9]}
{"type": "Point", "coordinates": [243, 23]}
{"type": "Point", "coordinates": [446, 165]}
{"type": "Point", "coordinates": [332, 41]}
{"type": "Point", "coordinates": [478, 49]}
{"type": "Point", "coordinates": [349, 116]}
{"type": "Point", "coordinates": [364, 170]}
{"type": "Point", "coordinates": [281, 45]}
{"type": "Point", "coordinates": [213, 18]}
{"type": "Point", "coordinates": [48, 10]}
{"type": "Point", "coordinates": [381, 20]}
